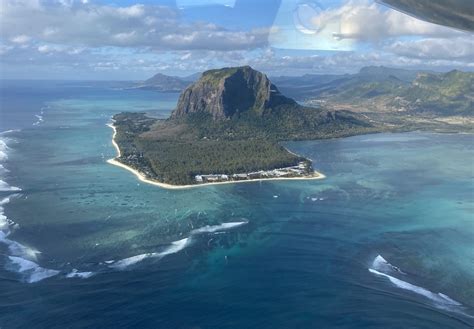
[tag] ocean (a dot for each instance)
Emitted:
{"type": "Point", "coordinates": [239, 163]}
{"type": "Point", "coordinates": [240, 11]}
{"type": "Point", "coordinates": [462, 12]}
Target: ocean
{"type": "Point", "coordinates": [385, 241]}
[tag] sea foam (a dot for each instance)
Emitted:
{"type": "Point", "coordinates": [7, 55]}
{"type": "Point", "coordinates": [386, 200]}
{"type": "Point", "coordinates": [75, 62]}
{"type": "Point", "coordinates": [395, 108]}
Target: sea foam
{"type": "Point", "coordinates": [3, 150]}
{"type": "Point", "coordinates": [174, 247]}
{"type": "Point", "coordinates": [381, 267]}
{"type": "Point", "coordinates": [381, 264]}
{"type": "Point", "coordinates": [6, 132]}
{"type": "Point", "coordinates": [39, 117]}
{"type": "Point", "coordinates": [30, 270]}
{"type": "Point", "coordinates": [126, 262]}
{"type": "Point", "coordinates": [15, 248]}
{"type": "Point", "coordinates": [21, 258]}
{"type": "Point", "coordinates": [4, 186]}
{"type": "Point", "coordinates": [81, 275]}
{"type": "Point", "coordinates": [4, 222]}
{"type": "Point", "coordinates": [215, 228]}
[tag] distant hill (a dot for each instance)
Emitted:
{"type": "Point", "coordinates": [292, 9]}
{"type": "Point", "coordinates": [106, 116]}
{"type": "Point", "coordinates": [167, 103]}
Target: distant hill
{"type": "Point", "coordinates": [313, 85]}
{"type": "Point", "coordinates": [379, 73]}
{"type": "Point", "coordinates": [382, 89]}
{"type": "Point", "coordinates": [450, 93]}
{"type": "Point", "coordinates": [165, 83]}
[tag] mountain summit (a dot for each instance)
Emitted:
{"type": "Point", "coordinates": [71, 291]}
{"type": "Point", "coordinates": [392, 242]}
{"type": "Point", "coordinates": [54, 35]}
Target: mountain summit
{"type": "Point", "coordinates": [227, 126]}
{"type": "Point", "coordinates": [228, 92]}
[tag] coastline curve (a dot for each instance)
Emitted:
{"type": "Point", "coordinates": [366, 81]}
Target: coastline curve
{"type": "Point", "coordinates": [141, 177]}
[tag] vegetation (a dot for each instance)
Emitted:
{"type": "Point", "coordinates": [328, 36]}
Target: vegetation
{"type": "Point", "coordinates": [451, 93]}
{"type": "Point", "coordinates": [382, 90]}
{"type": "Point", "coordinates": [177, 160]}
{"type": "Point", "coordinates": [175, 151]}
{"type": "Point", "coordinates": [229, 122]}
{"type": "Point", "coordinates": [215, 76]}
{"type": "Point", "coordinates": [286, 122]}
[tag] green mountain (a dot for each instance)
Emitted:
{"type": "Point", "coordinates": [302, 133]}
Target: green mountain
{"type": "Point", "coordinates": [450, 93]}
{"type": "Point", "coordinates": [429, 94]}
{"type": "Point", "coordinates": [230, 121]}
{"type": "Point", "coordinates": [324, 85]}
{"type": "Point", "coordinates": [165, 83]}
{"type": "Point", "coordinates": [387, 90]}
{"type": "Point", "coordinates": [240, 102]}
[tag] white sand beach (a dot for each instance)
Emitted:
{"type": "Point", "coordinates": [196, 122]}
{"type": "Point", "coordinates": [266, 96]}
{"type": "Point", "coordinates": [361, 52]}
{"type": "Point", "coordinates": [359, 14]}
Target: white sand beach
{"type": "Point", "coordinates": [141, 177]}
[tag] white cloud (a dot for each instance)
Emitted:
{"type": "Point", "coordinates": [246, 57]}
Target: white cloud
{"type": "Point", "coordinates": [4, 49]}
{"type": "Point", "coordinates": [82, 24]}
{"type": "Point", "coordinates": [125, 37]}
{"type": "Point", "coordinates": [49, 32]}
{"type": "Point", "coordinates": [371, 22]}
{"type": "Point", "coordinates": [20, 39]}
{"type": "Point", "coordinates": [45, 49]}
{"type": "Point", "coordinates": [186, 56]}
{"type": "Point", "coordinates": [132, 11]}
{"type": "Point", "coordinates": [460, 48]}
{"type": "Point", "coordinates": [57, 36]}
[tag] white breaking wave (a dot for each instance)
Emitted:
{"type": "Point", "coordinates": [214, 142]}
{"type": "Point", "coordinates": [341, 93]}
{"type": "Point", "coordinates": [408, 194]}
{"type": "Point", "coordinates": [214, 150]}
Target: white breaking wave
{"type": "Point", "coordinates": [439, 298]}
{"type": "Point", "coordinates": [21, 258]}
{"type": "Point", "coordinates": [3, 150]}
{"type": "Point", "coordinates": [380, 265]}
{"type": "Point", "coordinates": [5, 187]}
{"type": "Point", "coordinates": [215, 228]}
{"type": "Point", "coordinates": [6, 132]}
{"type": "Point", "coordinates": [31, 271]}
{"type": "Point", "coordinates": [126, 262]}
{"type": "Point", "coordinates": [3, 169]}
{"type": "Point", "coordinates": [39, 117]}
{"type": "Point", "coordinates": [81, 275]}
{"type": "Point", "coordinates": [4, 222]}
{"type": "Point", "coordinates": [175, 247]}
{"type": "Point", "coordinates": [15, 248]}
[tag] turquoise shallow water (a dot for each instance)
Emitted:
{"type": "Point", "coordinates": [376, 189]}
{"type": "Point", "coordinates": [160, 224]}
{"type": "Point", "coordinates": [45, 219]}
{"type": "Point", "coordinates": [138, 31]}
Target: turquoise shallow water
{"type": "Point", "coordinates": [90, 246]}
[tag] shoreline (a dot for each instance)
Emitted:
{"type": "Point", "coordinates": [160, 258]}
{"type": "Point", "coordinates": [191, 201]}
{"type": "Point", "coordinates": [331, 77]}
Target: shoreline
{"type": "Point", "coordinates": [141, 177]}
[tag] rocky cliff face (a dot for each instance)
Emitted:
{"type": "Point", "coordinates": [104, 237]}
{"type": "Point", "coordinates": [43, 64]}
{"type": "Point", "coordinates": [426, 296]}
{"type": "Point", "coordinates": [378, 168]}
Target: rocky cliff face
{"type": "Point", "coordinates": [227, 92]}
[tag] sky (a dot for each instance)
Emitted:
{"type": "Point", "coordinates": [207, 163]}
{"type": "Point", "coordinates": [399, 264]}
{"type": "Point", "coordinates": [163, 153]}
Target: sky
{"type": "Point", "coordinates": [133, 40]}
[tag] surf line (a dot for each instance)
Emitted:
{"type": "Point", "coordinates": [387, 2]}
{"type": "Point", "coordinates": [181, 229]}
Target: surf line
{"type": "Point", "coordinates": [381, 267]}
{"type": "Point", "coordinates": [174, 247]}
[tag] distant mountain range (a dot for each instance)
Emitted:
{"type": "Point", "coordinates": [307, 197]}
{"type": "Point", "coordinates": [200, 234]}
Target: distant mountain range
{"type": "Point", "coordinates": [165, 83]}
{"type": "Point", "coordinates": [382, 89]}
{"type": "Point", "coordinates": [376, 89]}
{"type": "Point", "coordinates": [309, 84]}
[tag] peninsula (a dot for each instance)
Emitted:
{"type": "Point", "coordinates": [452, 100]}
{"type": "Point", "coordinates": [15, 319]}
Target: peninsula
{"type": "Point", "coordinates": [227, 127]}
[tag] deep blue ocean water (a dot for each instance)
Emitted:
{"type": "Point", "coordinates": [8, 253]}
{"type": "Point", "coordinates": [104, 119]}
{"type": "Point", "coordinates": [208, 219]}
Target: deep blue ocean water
{"type": "Point", "coordinates": [385, 241]}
